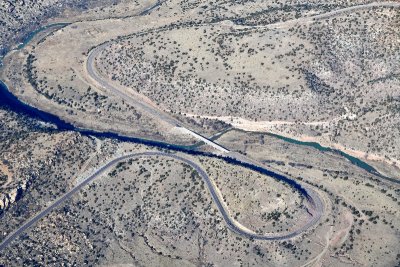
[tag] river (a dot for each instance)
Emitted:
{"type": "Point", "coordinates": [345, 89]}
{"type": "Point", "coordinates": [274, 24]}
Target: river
{"type": "Point", "coordinates": [18, 106]}
{"type": "Point", "coordinates": [12, 103]}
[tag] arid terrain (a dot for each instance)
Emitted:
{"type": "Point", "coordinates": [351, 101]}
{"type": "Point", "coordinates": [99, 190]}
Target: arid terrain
{"type": "Point", "coordinates": [199, 133]}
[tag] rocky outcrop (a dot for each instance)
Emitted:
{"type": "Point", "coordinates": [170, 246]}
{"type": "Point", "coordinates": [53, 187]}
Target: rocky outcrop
{"type": "Point", "coordinates": [12, 196]}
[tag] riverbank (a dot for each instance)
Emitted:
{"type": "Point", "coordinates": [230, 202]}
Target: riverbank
{"type": "Point", "coordinates": [356, 157]}
{"type": "Point", "coordinates": [359, 162]}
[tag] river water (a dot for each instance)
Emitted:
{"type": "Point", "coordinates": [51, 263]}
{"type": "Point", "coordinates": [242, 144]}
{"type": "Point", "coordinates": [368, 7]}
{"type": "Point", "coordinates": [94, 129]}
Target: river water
{"type": "Point", "coordinates": [315, 145]}
{"type": "Point", "coordinates": [9, 101]}
{"type": "Point", "coordinates": [18, 106]}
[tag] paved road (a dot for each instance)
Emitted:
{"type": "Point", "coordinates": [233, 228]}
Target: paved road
{"type": "Point", "coordinates": [234, 226]}
{"type": "Point", "coordinates": [314, 199]}
{"type": "Point", "coordinates": [317, 205]}
{"type": "Point", "coordinates": [231, 223]}
{"type": "Point", "coordinates": [91, 69]}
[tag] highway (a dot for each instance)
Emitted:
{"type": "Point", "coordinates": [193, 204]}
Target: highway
{"type": "Point", "coordinates": [315, 202]}
{"type": "Point", "coordinates": [166, 118]}
{"type": "Point", "coordinates": [230, 222]}
{"type": "Point", "coordinates": [314, 198]}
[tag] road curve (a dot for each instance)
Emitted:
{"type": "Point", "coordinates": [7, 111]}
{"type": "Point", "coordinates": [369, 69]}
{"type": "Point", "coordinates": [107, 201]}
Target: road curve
{"type": "Point", "coordinates": [230, 222]}
{"type": "Point", "coordinates": [232, 225]}
{"type": "Point", "coordinates": [312, 196]}
{"type": "Point", "coordinates": [95, 76]}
